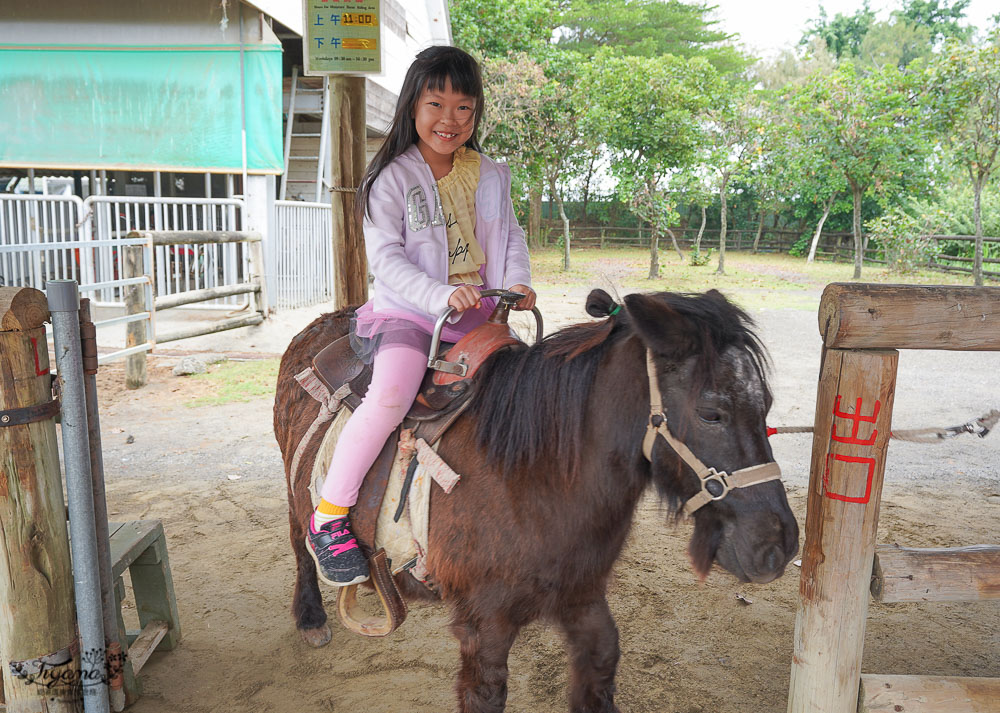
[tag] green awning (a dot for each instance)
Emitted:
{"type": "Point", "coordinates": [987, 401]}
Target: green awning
{"type": "Point", "coordinates": [140, 108]}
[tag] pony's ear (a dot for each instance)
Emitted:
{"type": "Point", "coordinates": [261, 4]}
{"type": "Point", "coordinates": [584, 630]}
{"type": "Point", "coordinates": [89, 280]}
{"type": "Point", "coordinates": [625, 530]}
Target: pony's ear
{"type": "Point", "coordinates": [662, 328]}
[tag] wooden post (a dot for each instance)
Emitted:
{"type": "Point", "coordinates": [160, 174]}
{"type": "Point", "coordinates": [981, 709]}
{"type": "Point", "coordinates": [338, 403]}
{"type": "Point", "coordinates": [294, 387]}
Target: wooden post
{"type": "Point", "coordinates": [256, 248]}
{"type": "Point", "coordinates": [347, 152]}
{"type": "Point", "coordinates": [37, 615]}
{"type": "Point", "coordinates": [135, 334]}
{"type": "Point", "coordinates": [853, 417]}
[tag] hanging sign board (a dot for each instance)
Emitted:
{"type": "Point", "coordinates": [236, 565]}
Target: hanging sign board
{"type": "Point", "coordinates": [342, 37]}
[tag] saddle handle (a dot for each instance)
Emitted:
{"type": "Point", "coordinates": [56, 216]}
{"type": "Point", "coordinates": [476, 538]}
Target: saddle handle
{"type": "Point", "coordinates": [508, 298]}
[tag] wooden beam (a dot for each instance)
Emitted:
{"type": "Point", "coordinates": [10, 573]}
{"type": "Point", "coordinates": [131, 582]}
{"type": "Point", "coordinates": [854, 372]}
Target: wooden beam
{"type": "Point", "coordinates": [22, 308]}
{"type": "Point", "coordinates": [928, 694]}
{"type": "Point", "coordinates": [955, 574]}
{"type": "Point", "coordinates": [144, 646]}
{"type": "Point", "coordinates": [209, 293]}
{"type": "Point", "coordinates": [248, 321]}
{"type": "Point", "coordinates": [196, 237]}
{"type": "Point", "coordinates": [853, 416]}
{"type": "Point", "coordinates": [865, 316]}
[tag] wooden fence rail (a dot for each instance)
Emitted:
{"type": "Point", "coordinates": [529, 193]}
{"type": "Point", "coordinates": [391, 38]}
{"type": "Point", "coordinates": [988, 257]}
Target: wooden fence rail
{"type": "Point", "coordinates": [835, 246]}
{"type": "Point", "coordinates": [255, 286]}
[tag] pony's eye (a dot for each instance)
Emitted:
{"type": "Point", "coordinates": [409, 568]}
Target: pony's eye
{"type": "Point", "coordinates": [709, 415]}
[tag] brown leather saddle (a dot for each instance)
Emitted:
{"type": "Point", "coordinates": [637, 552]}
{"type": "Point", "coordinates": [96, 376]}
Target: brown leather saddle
{"type": "Point", "coordinates": [444, 394]}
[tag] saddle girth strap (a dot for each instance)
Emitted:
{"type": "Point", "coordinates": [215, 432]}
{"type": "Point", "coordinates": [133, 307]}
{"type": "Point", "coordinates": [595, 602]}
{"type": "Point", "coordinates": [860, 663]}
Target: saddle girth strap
{"type": "Point", "coordinates": [715, 485]}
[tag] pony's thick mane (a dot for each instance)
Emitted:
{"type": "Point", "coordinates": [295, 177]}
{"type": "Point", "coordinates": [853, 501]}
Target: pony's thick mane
{"type": "Point", "coordinates": [531, 401]}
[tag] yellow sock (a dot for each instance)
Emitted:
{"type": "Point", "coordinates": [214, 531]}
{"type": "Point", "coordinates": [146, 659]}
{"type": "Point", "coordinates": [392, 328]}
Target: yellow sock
{"type": "Point", "coordinates": [328, 511]}
{"type": "Point", "coordinates": [326, 508]}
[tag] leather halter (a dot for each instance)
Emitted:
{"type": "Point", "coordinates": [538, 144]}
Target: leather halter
{"type": "Point", "coordinates": [715, 485]}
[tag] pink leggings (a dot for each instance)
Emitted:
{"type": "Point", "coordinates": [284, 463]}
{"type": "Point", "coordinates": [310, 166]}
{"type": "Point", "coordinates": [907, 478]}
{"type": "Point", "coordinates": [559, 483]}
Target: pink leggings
{"type": "Point", "coordinates": [396, 375]}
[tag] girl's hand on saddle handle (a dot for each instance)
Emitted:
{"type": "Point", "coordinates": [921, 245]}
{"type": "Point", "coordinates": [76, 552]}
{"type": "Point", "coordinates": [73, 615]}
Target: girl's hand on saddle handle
{"type": "Point", "coordinates": [465, 297]}
{"type": "Point", "coordinates": [529, 297]}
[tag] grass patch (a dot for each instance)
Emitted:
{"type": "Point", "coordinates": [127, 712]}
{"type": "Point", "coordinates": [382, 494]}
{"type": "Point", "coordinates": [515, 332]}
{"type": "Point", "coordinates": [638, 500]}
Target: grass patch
{"type": "Point", "coordinates": [766, 280]}
{"type": "Point", "coordinates": [236, 382]}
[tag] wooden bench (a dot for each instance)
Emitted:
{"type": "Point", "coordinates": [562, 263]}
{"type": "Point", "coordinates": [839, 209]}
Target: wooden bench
{"type": "Point", "coordinates": [140, 547]}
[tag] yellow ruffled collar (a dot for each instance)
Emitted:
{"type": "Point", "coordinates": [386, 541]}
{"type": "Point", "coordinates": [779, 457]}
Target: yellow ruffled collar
{"type": "Point", "coordinates": [464, 167]}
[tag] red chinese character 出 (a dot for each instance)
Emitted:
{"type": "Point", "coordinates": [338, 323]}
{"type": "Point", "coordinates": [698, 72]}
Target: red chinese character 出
{"type": "Point", "coordinates": [857, 418]}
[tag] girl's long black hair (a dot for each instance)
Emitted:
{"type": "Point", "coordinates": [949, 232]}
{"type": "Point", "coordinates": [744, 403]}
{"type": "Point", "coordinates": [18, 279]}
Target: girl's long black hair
{"type": "Point", "coordinates": [429, 70]}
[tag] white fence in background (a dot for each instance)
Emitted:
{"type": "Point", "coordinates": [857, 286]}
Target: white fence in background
{"type": "Point", "coordinates": [32, 230]}
{"type": "Point", "coordinates": [305, 254]}
{"type": "Point", "coordinates": [96, 224]}
{"type": "Point", "coordinates": [36, 246]}
{"type": "Point", "coordinates": [46, 237]}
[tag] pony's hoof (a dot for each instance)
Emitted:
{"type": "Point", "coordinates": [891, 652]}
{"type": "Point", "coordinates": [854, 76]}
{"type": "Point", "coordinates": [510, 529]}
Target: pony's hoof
{"type": "Point", "coordinates": [320, 636]}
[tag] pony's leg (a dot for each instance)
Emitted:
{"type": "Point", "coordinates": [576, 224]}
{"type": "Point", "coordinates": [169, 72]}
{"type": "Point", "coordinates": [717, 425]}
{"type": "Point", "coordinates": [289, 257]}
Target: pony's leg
{"type": "Point", "coordinates": [482, 679]}
{"type": "Point", "coordinates": [307, 602]}
{"type": "Point", "coordinates": [592, 638]}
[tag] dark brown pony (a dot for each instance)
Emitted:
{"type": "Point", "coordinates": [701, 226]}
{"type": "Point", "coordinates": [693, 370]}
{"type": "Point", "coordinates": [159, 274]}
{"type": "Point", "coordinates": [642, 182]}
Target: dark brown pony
{"type": "Point", "coordinates": [552, 469]}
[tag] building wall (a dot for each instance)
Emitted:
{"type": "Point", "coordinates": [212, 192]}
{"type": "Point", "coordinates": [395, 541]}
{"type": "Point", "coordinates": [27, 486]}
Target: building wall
{"type": "Point", "coordinates": [134, 22]}
{"type": "Point", "coordinates": [139, 85]}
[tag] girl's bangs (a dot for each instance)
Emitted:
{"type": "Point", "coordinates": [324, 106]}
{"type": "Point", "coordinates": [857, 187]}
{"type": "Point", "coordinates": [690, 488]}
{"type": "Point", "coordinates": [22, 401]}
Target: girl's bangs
{"type": "Point", "coordinates": [464, 80]}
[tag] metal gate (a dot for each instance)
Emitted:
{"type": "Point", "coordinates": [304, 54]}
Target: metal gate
{"type": "Point", "coordinates": [305, 254]}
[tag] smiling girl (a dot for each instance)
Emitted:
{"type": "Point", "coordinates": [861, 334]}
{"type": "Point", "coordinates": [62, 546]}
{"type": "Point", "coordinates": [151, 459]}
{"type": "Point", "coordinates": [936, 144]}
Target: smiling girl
{"type": "Point", "coordinates": [439, 227]}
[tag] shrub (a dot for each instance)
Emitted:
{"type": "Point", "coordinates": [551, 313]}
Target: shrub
{"type": "Point", "coordinates": [699, 259]}
{"type": "Point", "coordinates": [801, 246]}
{"type": "Point", "coordinates": [903, 239]}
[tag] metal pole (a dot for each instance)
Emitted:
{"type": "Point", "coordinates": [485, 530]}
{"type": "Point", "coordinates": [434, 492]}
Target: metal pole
{"type": "Point", "coordinates": [88, 340]}
{"type": "Point", "coordinates": [64, 306]}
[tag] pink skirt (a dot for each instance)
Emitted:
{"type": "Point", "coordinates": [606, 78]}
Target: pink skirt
{"type": "Point", "coordinates": [372, 331]}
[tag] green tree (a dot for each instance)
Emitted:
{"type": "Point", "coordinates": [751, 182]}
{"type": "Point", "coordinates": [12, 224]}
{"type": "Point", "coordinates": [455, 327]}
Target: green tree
{"type": "Point", "coordinates": [556, 149]}
{"type": "Point", "coordinates": [969, 78]}
{"type": "Point", "coordinates": [875, 129]}
{"type": "Point", "coordinates": [941, 18]}
{"type": "Point", "coordinates": [734, 131]}
{"type": "Point", "coordinates": [647, 111]}
{"type": "Point", "coordinates": [691, 186]}
{"type": "Point", "coordinates": [794, 68]}
{"type": "Point", "coordinates": [490, 28]}
{"type": "Point", "coordinates": [648, 28]}
{"type": "Point", "coordinates": [895, 43]}
{"type": "Point", "coordinates": [844, 33]}
{"type": "Point", "coordinates": [513, 87]}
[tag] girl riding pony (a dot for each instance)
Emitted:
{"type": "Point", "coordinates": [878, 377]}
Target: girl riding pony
{"type": "Point", "coordinates": [439, 226]}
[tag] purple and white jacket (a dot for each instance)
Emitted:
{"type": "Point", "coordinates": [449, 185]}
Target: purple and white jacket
{"type": "Point", "coordinates": [406, 239]}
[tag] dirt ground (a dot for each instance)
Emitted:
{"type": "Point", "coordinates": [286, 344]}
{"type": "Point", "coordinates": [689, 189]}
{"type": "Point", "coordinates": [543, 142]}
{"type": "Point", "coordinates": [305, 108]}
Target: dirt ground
{"type": "Point", "coordinates": [214, 476]}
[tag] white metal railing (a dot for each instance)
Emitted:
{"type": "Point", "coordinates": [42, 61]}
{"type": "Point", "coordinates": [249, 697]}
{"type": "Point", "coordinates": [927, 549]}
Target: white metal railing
{"type": "Point", "coordinates": [53, 258]}
{"type": "Point", "coordinates": [178, 268]}
{"type": "Point", "coordinates": [305, 254]}
{"type": "Point", "coordinates": [63, 237]}
{"type": "Point", "coordinates": [33, 229]}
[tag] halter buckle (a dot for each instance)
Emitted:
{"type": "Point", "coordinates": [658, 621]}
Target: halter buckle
{"type": "Point", "coordinates": [721, 483]}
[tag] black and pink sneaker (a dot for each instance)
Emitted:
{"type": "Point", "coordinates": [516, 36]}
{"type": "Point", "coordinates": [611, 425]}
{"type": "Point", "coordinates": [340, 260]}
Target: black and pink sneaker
{"type": "Point", "coordinates": [338, 558]}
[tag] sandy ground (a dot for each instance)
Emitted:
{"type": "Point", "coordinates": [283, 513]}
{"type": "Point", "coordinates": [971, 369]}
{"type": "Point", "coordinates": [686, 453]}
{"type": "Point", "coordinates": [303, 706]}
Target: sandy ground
{"type": "Point", "coordinates": [214, 476]}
